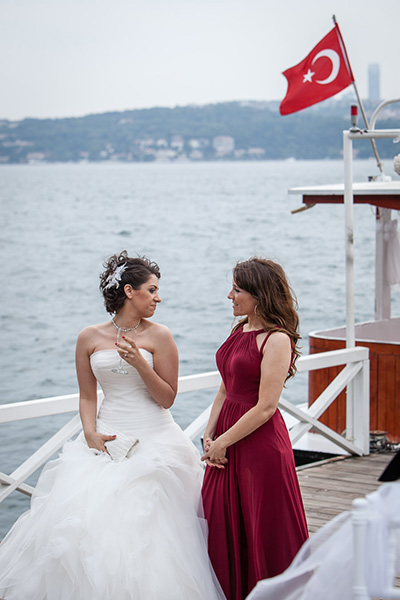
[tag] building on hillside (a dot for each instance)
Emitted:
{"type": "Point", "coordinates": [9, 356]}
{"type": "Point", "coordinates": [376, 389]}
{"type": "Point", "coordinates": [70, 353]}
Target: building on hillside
{"type": "Point", "coordinates": [198, 143]}
{"type": "Point", "coordinates": [178, 143]}
{"type": "Point", "coordinates": [256, 152]}
{"type": "Point", "coordinates": [223, 145]}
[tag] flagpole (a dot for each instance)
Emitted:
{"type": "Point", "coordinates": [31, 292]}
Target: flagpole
{"type": "Point", "coordinates": [375, 149]}
{"type": "Point", "coordinates": [360, 103]}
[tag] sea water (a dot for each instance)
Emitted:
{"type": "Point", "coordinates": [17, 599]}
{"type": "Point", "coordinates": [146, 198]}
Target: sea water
{"type": "Point", "coordinates": [60, 222]}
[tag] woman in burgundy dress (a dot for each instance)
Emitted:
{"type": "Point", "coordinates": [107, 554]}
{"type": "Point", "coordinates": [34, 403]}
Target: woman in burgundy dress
{"type": "Point", "coordinates": [251, 495]}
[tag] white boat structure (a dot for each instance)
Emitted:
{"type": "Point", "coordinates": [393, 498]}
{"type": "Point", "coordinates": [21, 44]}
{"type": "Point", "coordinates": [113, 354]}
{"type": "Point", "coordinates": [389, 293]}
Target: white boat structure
{"type": "Point", "coordinates": [382, 335]}
{"type": "Point", "coordinates": [352, 362]}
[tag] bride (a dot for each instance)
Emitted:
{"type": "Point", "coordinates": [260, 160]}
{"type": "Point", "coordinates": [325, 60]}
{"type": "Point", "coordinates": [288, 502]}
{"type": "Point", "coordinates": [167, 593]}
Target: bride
{"type": "Point", "coordinates": [118, 514]}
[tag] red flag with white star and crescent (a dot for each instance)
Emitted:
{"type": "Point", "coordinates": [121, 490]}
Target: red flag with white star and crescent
{"type": "Point", "coordinates": [322, 74]}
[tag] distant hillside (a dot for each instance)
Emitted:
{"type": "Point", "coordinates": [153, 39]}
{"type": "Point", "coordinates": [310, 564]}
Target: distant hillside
{"type": "Point", "coordinates": [226, 131]}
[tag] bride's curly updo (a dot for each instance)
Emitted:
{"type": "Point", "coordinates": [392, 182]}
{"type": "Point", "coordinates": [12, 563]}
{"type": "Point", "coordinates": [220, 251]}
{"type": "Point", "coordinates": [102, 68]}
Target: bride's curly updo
{"type": "Point", "coordinates": [120, 270]}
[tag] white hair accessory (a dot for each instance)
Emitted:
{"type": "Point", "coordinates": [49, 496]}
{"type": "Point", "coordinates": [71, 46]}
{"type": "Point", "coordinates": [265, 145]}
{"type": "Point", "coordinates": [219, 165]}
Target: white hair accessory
{"type": "Point", "coordinates": [114, 278]}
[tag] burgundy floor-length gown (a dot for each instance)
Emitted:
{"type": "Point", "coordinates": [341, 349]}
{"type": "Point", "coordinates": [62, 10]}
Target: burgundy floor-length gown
{"type": "Point", "coordinates": [253, 507]}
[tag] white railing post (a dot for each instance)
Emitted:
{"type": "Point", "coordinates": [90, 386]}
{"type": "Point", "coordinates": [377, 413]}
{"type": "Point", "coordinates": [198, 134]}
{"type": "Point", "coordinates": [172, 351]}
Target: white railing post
{"type": "Point", "coordinates": [349, 237]}
{"type": "Point", "coordinates": [360, 521]}
{"type": "Point", "coordinates": [349, 250]}
{"type": "Point", "coordinates": [360, 408]}
{"type": "Point", "coordinates": [357, 409]}
{"type": "Point", "coordinates": [392, 591]}
{"type": "Point", "coordinates": [382, 287]}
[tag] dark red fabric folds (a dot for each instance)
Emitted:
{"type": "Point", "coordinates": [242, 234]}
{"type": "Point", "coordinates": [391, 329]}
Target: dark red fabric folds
{"type": "Point", "coordinates": [253, 507]}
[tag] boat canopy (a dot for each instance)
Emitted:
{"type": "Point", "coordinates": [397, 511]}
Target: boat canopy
{"type": "Point", "coordinates": [384, 194]}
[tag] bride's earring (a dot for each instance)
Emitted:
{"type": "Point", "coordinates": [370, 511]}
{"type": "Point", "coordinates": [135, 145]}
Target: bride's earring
{"type": "Point", "coordinates": [255, 310]}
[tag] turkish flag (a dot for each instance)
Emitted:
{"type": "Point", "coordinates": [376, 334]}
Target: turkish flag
{"type": "Point", "coordinates": [322, 74]}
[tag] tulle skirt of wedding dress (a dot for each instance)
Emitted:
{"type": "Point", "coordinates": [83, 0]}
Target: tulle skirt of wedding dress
{"type": "Point", "coordinates": [104, 530]}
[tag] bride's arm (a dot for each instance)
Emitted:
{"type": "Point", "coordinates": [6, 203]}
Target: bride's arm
{"type": "Point", "coordinates": [162, 380]}
{"type": "Point", "coordinates": [88, 393]}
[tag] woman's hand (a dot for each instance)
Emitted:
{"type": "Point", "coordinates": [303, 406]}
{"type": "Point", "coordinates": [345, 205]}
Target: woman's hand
{"type": "Point", "coordinates": [97, 440]}
{"type": "Point", "coordinates": [214, 453]}
{"type": "Point", "coordinates": [129, 351]}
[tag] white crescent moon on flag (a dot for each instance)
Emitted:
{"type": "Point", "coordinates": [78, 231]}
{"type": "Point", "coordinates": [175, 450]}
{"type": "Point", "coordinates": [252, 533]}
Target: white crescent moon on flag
{"type": "Point", "coordinates": [335, 60]}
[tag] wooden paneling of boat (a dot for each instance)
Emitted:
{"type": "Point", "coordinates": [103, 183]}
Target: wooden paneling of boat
{"type": "Point", "coordinates": [382, 338]}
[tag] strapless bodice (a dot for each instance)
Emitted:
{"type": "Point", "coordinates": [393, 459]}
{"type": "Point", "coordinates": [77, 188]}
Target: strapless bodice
{"type": "Point", "coordinates": [127, 403]}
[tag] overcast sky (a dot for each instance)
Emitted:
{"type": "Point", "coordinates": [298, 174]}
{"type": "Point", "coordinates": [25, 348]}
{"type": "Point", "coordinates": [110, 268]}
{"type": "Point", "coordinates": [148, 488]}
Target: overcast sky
{"type": "Point", "coordinates": [75, 57]}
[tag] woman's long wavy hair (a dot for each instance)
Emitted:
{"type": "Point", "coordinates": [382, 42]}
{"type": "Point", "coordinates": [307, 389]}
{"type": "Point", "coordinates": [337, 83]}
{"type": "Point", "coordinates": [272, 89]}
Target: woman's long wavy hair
{"type": "Point", "coordinates": [276, 308]}
{"type": "Point", "coordinates": [137, 271]}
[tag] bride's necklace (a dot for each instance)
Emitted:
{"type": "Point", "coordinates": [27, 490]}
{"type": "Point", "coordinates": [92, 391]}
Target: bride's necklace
{"type": "Point", "coordinates": [125, 329]}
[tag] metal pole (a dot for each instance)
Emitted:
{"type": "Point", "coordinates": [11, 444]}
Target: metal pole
{"type": "Point", "coordinates": [379, 108]}
{"type": "Point", "coordinates": [349, 238]}
{"type": "Point", "coordinates": [349, 69]}
{"type": "Point", "coordinates": [374, 148]}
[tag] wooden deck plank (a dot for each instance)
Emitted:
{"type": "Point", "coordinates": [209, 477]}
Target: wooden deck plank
{"type": "Point", "coordinates": [330, 488]}
{"type": "Point", "coordinates": [344, 487]}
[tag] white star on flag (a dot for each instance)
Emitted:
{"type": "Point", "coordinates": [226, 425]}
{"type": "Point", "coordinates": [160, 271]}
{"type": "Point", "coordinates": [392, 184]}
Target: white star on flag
{"type": "Point", "coordinates": [308, 76]}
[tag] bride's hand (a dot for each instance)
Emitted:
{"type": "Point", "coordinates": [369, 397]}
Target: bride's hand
{"type": "Point", "coordinates": [97, 440]}
{"type": "Point", "coordinates": [207, 439]}
{"type": "Point", "coordinates": [129, 351]}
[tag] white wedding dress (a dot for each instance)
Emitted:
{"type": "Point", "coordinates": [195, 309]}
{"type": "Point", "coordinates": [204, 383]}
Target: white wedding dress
{"type": "Point", "coordinates": [99, 529]}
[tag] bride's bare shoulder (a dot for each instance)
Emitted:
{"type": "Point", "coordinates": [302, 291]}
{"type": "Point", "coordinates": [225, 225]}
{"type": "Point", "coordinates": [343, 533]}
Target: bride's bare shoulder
{"type": "Point", "coordinates": [158, 330]}
{"type": "Point", "coordinates": [91, 332]}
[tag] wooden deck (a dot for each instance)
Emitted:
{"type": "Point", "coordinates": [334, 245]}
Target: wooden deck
{"type": "Point", "coordinates": [330, 487]}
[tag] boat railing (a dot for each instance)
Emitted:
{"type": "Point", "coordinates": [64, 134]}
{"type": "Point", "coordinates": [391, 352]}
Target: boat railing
{"type": "Point", "coordinates": [354, 376]}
